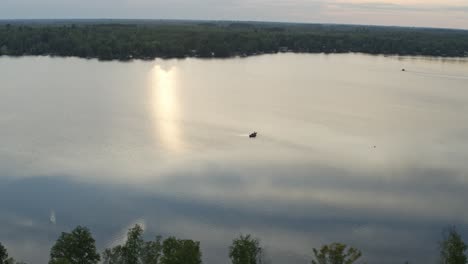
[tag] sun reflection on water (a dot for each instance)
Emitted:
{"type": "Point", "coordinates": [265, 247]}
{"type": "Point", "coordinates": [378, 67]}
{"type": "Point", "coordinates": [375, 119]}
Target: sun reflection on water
{"type": "Point", "coordinates": [166, 109]}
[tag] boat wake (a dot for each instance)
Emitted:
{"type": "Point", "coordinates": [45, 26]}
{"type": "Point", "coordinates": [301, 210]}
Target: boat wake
{"type": "Point", "coordinates": [438, 75]}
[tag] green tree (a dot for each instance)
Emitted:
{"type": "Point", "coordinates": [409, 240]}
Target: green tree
{"type": "Point", "coordinates": [135, 250]}
{"type": "Point", "coordinates": [452, 248]}
{"type": "Point", "coordinates": [179, 251]}
{"type": "Point", "coordinates": [133, 247]}
{"type": "Point", "coordinates": [130, 252]}
{"type": "Point", "coordinates": [336, 253]}
{"type": "Point", "coordinates": [4, 259]}
{"type": "Point", "coordinates": [77, 247]}
{"type": "Point", "coordinates": [112, 255]}
{"type": "Point", "coordinates": [245, 250]}
{"type": "Point", "coordinates": [62, 261]}
{"type": "Point", "coordinates": [3, 50]}
{"type": "Point", "coordinates": [152, 251]}
{"type": "Point", "coordinates": [3, 254]}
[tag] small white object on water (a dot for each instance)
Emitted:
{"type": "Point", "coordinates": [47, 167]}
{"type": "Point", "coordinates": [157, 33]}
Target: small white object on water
{"type": "Point", "coordinates": [52, 217]}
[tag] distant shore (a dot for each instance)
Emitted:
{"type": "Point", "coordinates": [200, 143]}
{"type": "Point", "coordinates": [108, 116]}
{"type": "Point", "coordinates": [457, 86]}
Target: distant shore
{"type": "Point", "coordinates": [128, 39]}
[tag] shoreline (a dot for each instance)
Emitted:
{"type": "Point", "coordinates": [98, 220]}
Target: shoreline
{"type": "Point", "coordinates": [393, 56]}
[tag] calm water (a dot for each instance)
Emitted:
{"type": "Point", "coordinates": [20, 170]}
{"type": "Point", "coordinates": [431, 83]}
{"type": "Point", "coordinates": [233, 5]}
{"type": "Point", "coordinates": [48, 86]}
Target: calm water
{"type": "Point", "coordinates": [350, 149]}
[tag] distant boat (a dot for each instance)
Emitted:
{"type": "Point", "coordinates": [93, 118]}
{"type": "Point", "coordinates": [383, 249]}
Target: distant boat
{"type": "Point", "coordinates": [52, 217]}
{"type": "Point", "coordinates": [253, 135]}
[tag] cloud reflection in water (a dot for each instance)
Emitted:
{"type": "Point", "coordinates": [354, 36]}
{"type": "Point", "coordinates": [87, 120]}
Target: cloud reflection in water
{"type": "Point", "coordinates": [312, 177]}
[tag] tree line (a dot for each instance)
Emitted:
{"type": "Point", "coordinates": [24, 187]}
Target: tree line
{"type": "Point", "coordinates": [127, 40]}
{"type": "Point", "coordinates": [79, 247]}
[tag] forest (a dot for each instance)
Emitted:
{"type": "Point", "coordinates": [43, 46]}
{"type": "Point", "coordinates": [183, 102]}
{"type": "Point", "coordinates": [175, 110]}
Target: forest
{"type": "Point", "coordinates": [134, 39]}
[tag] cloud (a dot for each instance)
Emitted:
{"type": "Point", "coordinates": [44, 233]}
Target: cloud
{"type": "Point", "coordinates": [389, 6]}
{"type": "Point", "coordinates": [109, 210]}
{"type": "Point", "coordinates": [447, 14]}
{"type": "Point", "coordinates": [409, 13]}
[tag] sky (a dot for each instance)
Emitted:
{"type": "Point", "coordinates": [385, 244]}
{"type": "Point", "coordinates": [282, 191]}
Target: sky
{"type": "Point", "coordinates": [421, 13]}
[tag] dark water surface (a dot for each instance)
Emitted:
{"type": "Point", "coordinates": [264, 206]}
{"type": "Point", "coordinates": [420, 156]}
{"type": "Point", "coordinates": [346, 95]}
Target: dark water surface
{"type": "Point", "coordinates": [350, 149]}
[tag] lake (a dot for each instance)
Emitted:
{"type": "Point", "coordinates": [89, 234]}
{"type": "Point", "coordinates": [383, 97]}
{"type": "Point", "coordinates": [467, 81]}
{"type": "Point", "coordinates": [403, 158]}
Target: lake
{"type": "Point", "coordinates": [350, 149]}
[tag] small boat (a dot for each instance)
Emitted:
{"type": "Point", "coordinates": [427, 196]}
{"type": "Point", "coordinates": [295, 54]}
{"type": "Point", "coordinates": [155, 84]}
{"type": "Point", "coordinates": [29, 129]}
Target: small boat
{"type": "Point", "coordinates": [253, 135]}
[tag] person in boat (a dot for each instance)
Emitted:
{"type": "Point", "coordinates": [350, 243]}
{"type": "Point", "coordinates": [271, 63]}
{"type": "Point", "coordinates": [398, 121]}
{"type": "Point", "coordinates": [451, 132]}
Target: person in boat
{"type": "Point", "coordinates": [253, 135]}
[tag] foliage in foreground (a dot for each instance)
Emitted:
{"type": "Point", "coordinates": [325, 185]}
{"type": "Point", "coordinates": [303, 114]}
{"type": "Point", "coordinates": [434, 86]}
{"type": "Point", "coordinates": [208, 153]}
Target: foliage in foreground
{"type": "Point", "coordinates": [3, 254]}
{"type": "Point", "coordinates": [336, 253]}
{"type": "Point", "coordinates": [4, 259]}
{"type": "Point", "coordinates": [452, 248]}
{"type": "Point", "coordinates": [137, 251]}
{"type": "Point", "coordinates": [78, 247]}
{"type": "Point", "coordinates": [245, 250]}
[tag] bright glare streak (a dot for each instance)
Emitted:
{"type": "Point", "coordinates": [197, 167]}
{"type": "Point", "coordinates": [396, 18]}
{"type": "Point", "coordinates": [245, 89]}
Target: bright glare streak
{"type": "Point", "coordinates": [166, 107]}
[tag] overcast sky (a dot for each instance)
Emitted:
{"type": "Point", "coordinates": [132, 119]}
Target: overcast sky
{"type": "Point", "coordinates": [427, 13]}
